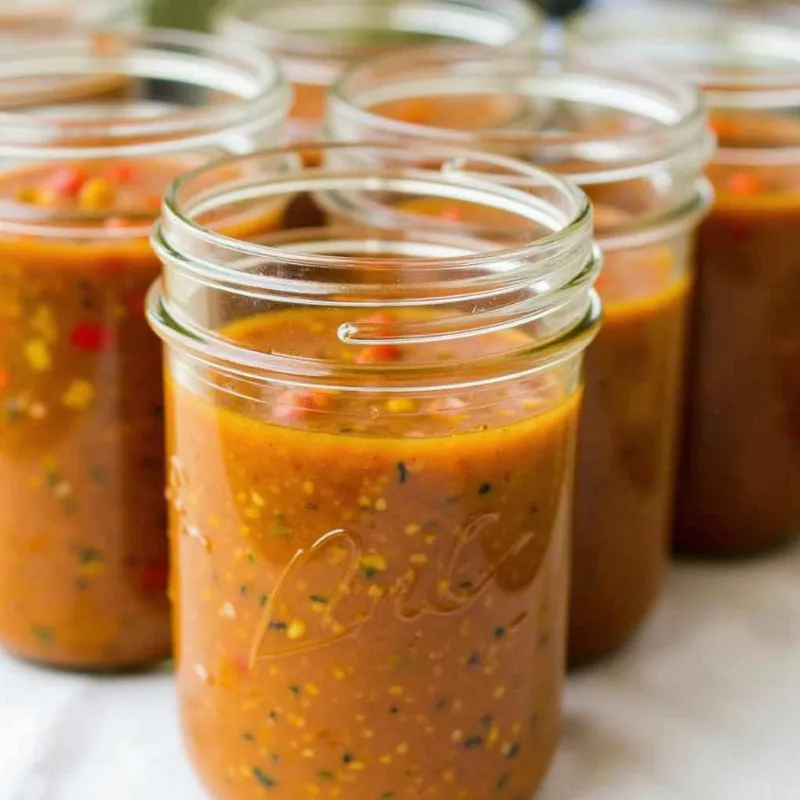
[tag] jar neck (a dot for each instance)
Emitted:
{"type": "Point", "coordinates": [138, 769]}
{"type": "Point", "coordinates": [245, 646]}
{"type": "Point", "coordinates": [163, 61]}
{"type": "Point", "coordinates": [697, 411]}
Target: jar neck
{"type": "Point", "coordinates": [89, 94]}
{"type": "Point", "coordinates": [376, 253]}
{"type": "Point", "coordinates": [317, 39]}
{"type": "Point", "coordinates": [636, 143]}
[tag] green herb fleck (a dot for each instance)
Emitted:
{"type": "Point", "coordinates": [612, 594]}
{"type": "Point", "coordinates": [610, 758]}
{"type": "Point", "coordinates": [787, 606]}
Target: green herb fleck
{"type": "Point", "coordinates": [279, 528]}
{"type": "Point", "coordinates": [473, 660]}
{"type": "Point", "coordinates": [12, 409]}
{"type": "Point", "coordinates": [263, 778]}
{"type": "Point", "coordinates": [402, 472]}
{"type": "Point", "coordinates": [98, 475]}
{"type": "Point", "coordinates": [277, 625]}
{"type": "Point", "coordinates": [52, 477]}
{"type": "Point", "coordinates": [473, 741]}
{"type": "Point", "coordinates": [243, 590]}
{"type": "Point", "coordinates": [500, 633]}
{"type": "Point", "coordinates": [485, 488]}
{"type": "Point", "coordinates": [348, 758]}
{"type": "Point", "coordinates": [294, 689]}
{"type": "Point", "coordinates": [388, 796]}
{"type": "Point", "coordinates": [86, 555]}
{"type": "Point", "coordinates": [513, 751]}
{"type": "Point", "coordinates": [325, 775]}
{"type": "Point", "coordinates": [44, 634]}
{"type": "Point", "coordinates": [251, 557]}
{"type": "Point", "coordinates": [441, 704]}
{"type": "Point", "coordinates": [248, 737]}
{"type": "Point", "coordinates": [262, 601]}
{"type": "Point", "coordinates": [370, 572]}
{"type": "Point", "coordinates": [502, 781]}
{"type": "Point", "coordinates": [318, 598]}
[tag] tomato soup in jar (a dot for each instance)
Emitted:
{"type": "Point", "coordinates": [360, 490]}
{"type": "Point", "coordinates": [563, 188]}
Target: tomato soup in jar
{"type": "Point", "coordinates": [370, 479]}
{"type": "Point", "coordinates": [316, 39]}
{"type": "Point", "coordinates": [83, 547]}
{"type": "Point", "coordinates": [636, 145]}
{"type": "Point", "coordinates": [740, 461]}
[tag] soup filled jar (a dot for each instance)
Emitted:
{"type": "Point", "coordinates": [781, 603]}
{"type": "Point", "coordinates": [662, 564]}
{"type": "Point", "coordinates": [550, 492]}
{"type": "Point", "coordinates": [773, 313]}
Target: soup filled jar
{"type": "Point", "coordinates": [83, 546]}
{"type": "Point", "coordinates": [636, 143]}
{"type": "Point", "coordinates": [370, 438]}
{"type": "Point", "coordinates": [316, 39]}
{"type": "Point", "coordinates": [740, 462]}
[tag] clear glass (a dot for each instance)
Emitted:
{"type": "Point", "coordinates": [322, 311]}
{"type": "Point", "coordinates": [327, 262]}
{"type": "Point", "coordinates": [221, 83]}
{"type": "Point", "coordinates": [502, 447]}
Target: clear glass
{"type": "Point", "coordinates": [316, 39]}
{"type": "Point", "coordinates": [737, 488]}
{"type": "Point", "coordinates": [636, 143]}
{"type": "Point", "coordinates": [371, 434]}
{"type": "Point", "coordinates": [83, 549]}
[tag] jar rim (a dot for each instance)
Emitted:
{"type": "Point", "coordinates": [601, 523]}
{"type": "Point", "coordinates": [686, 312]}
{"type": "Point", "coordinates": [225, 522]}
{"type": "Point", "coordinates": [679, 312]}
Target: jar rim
{"type": "Point", "coordinates": [311, 55]}
{"type": "Point", "coordinates": [740, 60]}
{"type": "Point", "coordinates": [262, 96]}
{"type": "Point", "coordinates": [175, 214]}
{"type": "Point", "coordinates": [561, 264]}
{"type": "Point", "coordinates": [665, 120]}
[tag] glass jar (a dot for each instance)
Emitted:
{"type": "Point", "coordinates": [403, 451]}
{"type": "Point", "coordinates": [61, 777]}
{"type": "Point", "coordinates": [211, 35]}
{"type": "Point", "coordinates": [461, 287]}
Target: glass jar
{"type": "Point", "coordinates": [83, 548]}
{"type": "Point", "coordinates": [740, 464]}
{"type": "Point", "coordinates": [637, 144]}
{"type": "Point", "coordinates": [371, 434]}
{"type": "Point", "coordinates": [316, 39]}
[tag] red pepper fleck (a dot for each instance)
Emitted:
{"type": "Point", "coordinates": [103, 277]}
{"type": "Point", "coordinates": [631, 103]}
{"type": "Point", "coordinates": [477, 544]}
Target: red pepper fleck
{"type": "Point", "coordinates": [242, 665]}
{"type": "Point", "coordinates": [154, 578]}
{"type": "Point", "coordinates": [3, 378]}
{"type": "Point", "coordinates": [120, 173]}
{"type": "Point", "coordinates": [296, 404]}
{"type": "Point", "coordinates": [89, 336]}
{"type": "Point", "coordinates": [745, 183]}
{"type": "Point", "coordinates": [378, 318]}
{"type": "Point", "coordinates": [136, 303]}
{"type": "Point", "coordinates": [153, 201]}
{"type": "Point", "coordinates": [379, 354]}
{"type": "Point", "coordinates": [66, 181]}
{"type": "Point", "coordinates": [116, 223]}
{"type": "Point", "coordinates": [451, 214]}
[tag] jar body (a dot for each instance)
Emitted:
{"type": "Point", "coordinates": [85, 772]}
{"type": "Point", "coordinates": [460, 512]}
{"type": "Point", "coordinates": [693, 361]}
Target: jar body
{"type": "Point", "coordinates": [83, 546]}
{"type": "Point", "coordinates": [740, 463]}
{"type": "Point", "coordinates": [627, 451]}
{"type": "Point", "coordinates": [367, 586]}
{"type": "Point", "coordinates": [84, 565]}
{"type": "Point", "coordinates": [647, 203]}
{"type": "Point", "coordinates": [371, 434]}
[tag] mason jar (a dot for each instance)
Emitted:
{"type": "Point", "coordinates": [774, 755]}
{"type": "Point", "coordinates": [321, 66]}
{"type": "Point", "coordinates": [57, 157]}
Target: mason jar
{"type": "Point", "coordinates": [370, 478]}
{"type": "Point", "coordinates": [316, 39]}
{"type": "Point", "coordinates": [83, 547]}
{"type": "Point", "coordinates": [740, 463]}
{"type": "Point", "coordinates": [636, 143]}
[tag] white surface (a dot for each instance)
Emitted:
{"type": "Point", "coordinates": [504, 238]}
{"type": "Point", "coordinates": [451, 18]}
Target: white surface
{"type": "Point", "coordinates": [704, 706]}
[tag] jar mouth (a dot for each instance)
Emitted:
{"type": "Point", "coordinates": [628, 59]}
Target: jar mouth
{"type": "Point", "coordinates": [360, 260]}
{"type": "Point", "coordinates": [191, 91]}
{"type": "Point", "coordinates": [740, 61]}
{"type": "Point", "coordinates": [317, 39]}
{"type": "Point", "coordinates": [596, 123]}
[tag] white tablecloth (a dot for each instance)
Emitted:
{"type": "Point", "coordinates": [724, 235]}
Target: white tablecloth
{"type": "Point", "coordinates": [705, 705]}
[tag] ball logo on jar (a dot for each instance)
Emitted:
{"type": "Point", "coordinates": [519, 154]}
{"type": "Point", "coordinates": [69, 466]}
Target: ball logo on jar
{"type": "Point", "coordinates": [347, 582]}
